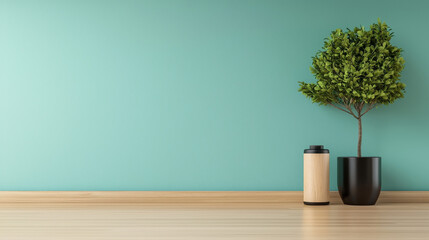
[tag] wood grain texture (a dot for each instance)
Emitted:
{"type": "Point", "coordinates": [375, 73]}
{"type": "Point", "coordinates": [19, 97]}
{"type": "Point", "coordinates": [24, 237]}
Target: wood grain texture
{"type": "Point", "coordinates": [200, 221]}
{"type": "Point", "coordinates": [316, 177]}
{"type": "Point", "coordinates": [190, 197]}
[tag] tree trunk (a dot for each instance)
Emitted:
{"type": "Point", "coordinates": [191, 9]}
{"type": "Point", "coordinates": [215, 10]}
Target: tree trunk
{"type": "Point", "coordinates": [360, 137]}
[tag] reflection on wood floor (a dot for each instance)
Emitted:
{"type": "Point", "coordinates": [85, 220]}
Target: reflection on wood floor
{"type": "Point", "coordinates": [213, 221]}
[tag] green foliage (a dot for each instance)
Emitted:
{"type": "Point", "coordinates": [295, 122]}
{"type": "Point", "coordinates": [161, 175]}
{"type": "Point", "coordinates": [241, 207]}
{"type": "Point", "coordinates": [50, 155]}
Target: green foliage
{"type": "Point", "coordinates": [357, 66]}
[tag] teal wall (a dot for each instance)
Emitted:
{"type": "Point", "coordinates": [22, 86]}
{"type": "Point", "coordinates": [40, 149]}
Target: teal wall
{"type": "Point", "coordinates": [193, 95]}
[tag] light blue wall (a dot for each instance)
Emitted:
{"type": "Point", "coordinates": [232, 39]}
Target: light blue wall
{"type": "Point", "coordinates": [193, 95]}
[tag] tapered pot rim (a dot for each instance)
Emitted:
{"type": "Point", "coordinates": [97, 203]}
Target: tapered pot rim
{"type": "Point", "coordinates": [359, 157]}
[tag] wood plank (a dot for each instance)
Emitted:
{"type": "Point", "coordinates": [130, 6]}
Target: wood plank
{"type": "Point", "coordinates": [212, 221]}
{"type": "Point", "coordinates": [190, 197]}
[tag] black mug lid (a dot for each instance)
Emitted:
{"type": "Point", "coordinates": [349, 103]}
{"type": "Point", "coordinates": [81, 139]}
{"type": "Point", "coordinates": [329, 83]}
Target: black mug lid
{"type": "Point", "coordinates": [316, 149]}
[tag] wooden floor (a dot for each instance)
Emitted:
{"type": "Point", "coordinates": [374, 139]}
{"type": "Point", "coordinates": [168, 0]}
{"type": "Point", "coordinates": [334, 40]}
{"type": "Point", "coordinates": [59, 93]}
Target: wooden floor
{"type": "Point", "coordinates": [62, 221]}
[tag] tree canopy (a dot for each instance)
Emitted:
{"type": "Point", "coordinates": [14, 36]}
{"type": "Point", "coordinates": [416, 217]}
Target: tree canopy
{"type": "Point", "coordinates": [357, 69]}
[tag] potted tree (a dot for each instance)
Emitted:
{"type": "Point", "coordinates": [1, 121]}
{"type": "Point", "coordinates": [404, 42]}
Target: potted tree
{"type": "Point", "coordinates": [356, 71]}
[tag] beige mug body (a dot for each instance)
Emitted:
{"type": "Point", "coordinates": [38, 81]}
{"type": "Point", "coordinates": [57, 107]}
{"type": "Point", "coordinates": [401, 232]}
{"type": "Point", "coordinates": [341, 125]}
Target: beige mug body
{"type": "Point", "coordinates": [316, 178]}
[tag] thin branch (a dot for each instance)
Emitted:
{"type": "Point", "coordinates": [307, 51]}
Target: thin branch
{"type": "Point", "coordinates": [351, 113]}
{"type": "Point", "coordinates": [371, 106]}
{"type": "Point", "coordinates": [359, 107]}
{"type": "Point", "coordinates": [346, 101]}
{"type": "Point", "coordinates": [349, 108]}
{"type": "Point", "coordinates": [347, 104]}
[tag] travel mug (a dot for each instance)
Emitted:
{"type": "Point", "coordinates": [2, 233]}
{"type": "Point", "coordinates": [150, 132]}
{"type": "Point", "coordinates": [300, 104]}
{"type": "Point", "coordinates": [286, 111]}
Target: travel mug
{"type": "Point", "coordinates": [316, 175]}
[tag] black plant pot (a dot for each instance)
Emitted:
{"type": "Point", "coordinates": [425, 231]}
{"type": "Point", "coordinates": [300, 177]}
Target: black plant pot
{"type": "Point", "coordinates": [359, 180]}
